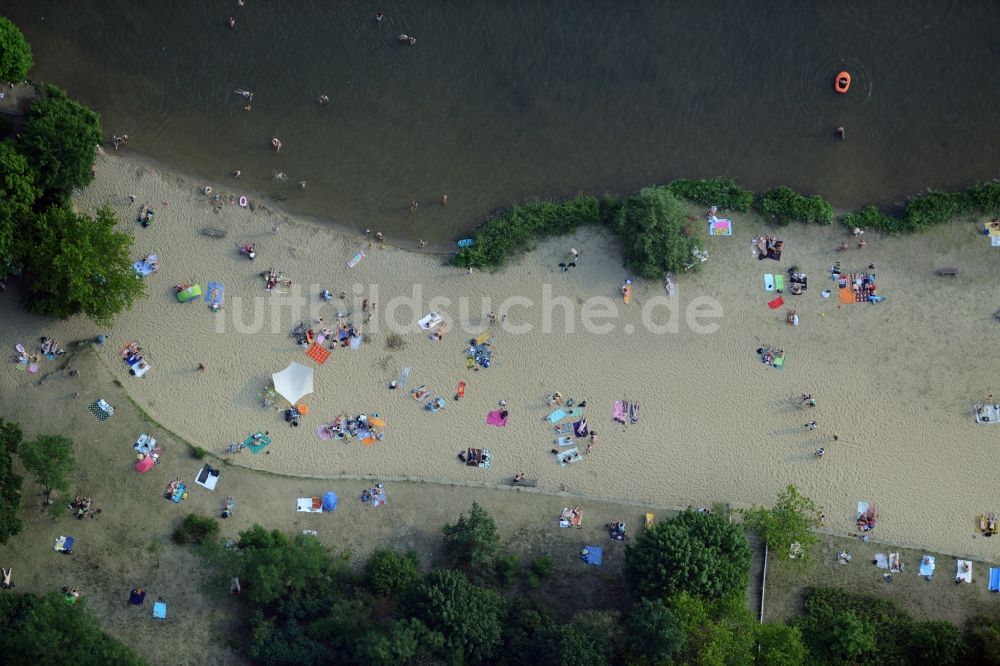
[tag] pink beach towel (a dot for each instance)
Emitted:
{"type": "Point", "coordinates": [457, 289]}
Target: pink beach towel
{"type": "Point", "coordinates": [621, 411]}
{"type": "Point", "coordinates": [324, 432]}
{"type": "Point", "coordinates": [495, 419]}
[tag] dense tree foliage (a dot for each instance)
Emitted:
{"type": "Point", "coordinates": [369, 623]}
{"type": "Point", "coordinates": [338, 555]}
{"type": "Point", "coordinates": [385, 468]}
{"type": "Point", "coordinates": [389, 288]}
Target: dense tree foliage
{"type": "Point", "coordinates": [15, 54]}
{"type": "Point", "coordinates": [46, 630]}
{"type": "Point", "coordinates": [982, 638]}
{"type": "Point", "coordinates": [469, 617]}
{"type": "Point", "coordinates": [653, 632]}
{"type": "Point", "coordinates": [789, 521]}
{"type": "Point", "coordinates": [59, 141]}
{"type": "Point", "coordinates": [697, 552]}
{"type": "Point", "coordinates": [80, 264]}
{"type": "Point", "coordinates": [271, 564]}
{"type": "Point", "coordinates": [719, 631]}
{"type": "Point", "coordinates": [783, 205]}
{"type": "Point", "coordinates": [651, 229]}
{"type": "Point", "coordinates": [388, 573]}
{"type": "Point", "coordinates": [473, 540]}
{"type": "Point", "coordinates": [10, 481]}
{"type": "Point", "coordinates": [720, 192]}
{"type": "Point", "coordinates": [50, 460]}
{"type": "Point", "coordinates": [780, 645]}
{"type": "Point", "coordinates": [17, 196]}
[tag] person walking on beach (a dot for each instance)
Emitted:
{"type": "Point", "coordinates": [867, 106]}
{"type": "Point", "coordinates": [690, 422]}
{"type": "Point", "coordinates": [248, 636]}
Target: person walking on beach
{"type": "Point", "coordinates": [810, 426]}
{"type": "Point", "coordinates": [820, 452]}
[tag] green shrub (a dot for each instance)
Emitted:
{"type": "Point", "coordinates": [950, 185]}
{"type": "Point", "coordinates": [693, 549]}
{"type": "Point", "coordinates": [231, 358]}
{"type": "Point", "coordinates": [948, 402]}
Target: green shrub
{"type": "Point", "coordinates": [651, 228]}
{"type": "Point", "coordinates": [986, 197]}
{"type": "Point", "coordinates": [871, 217]}
{"type": "Point", "coordinates": [721, 192]}
{"type": "Point", "coordinates": [506, 566]}
{"type": "Point", "coordinates": [198, 453]}
{"type": "Point", "coordinates": [512, 230]}
{"type": "Point", "coordinates": [389, 573]}
{"type": "Point", "coordinates": [936, 208]}
{"type": "Point", "coordinates": [196, 529]}
{"type": "Point", "coordinates": [472, 541]}
{"type": "Point", "coordinates": [783, 205]}
{"type": "Point", "coordinates": [542, 565]}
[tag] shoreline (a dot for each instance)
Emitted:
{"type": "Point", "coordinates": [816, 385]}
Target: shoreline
{"type": "Point", "coordinates": [715, 425]}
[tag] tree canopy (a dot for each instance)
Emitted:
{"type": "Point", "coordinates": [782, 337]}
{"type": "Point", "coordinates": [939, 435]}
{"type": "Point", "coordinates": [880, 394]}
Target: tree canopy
{"type": "Point", "coordinates": [720, 631]}
{"type": "Point", "coordinates": [653, 632]}
{"type": "Point", "coordinates": [10, 482]}
{"type": "Point", "coordinates": [473, 540]}
{"type": "Point", "coordinates": [17, 196]}
{"type": "Point", "coordinates": [650, 226]}
{"type": "Point", "coordinates": [697, 552]}
{"type": "Point", "coordinates": [59, 141]}
{"type": "Point", "coordinates": [80, 264]}
{"type": "Point", "coordinates": [50, 460]}
{"type": "Point", "coordinates": [38, 630]}
{"type": "Point", "coordinates": [389, 573]}
{"type": "Point", "coordinates": [789, 521]}
{"type": "Point", "coordinates": [271, 564]}
{"type": "Point", "coordinates": [469, 617]}
{"type": "Point", "coordinates": [15, 53]}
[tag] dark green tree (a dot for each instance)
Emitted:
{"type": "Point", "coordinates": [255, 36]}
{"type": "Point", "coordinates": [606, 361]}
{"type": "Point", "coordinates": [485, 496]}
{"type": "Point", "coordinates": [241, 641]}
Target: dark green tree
{"type": "Point", "coordinates": [650, 227]}
{"type": "Point", "coordinates": [15, 53]}
{"type": "Point", "coordinates": [404, 641]}
{"type": "Point", "coordinates": [472, 541]}
{"type": "Point", "coordinates": [468, 617]}
{"type": "Point", "coordinates": [59, 141]}
{"type": "Point", "coordinates": [565, 646]}
{"type": "Point", "coordinates": [41, 630]}
{"type": "Point", "coordinates": [653, 632]}
{"type": "Point", "coordinates": [780, 645]}
{"type": "Point", "coordinates": [850, 636]}
{"type": "Point", "coordinates": [604, 626]}
{"type": "Point", "coordinates": [982, 636]}
{"type": "Point", "coordinates": [790, 520]}
{"type": "Point", "coordinates": [935, 642]}
{"type": "Point", "coordinates": [720, 631]}
{"type": "Point", "coordinates": [17, 195]}
{"type": "Point", "coordinates": [50, 460]}
{"type": "Point", "coordinates": [272, 565]}
{"type": "Point", "coordinates": [10, 482]}
{"type": "Point", "coordinates": [80, 265]}
{"type": "Point", "coordinates": [698, 552]}
{"type": "Point", "coordinates": [389, 573]}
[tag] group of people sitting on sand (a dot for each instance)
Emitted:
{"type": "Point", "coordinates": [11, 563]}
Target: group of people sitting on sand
{"type": "Point", "coordinates": [274, 279]}
{"type": "Point", "coordinates": [988, 524]}
{"type": "Point", "coordinates": [768, 355]}
{"type": "Point", "coordinates": [866, 521]}
{"type": "Point", "coordinates": [50, 346]}
{"type": "Point", "coordinates": [83, 507]}
{"type": "Point", "coordinates": [132, 354]}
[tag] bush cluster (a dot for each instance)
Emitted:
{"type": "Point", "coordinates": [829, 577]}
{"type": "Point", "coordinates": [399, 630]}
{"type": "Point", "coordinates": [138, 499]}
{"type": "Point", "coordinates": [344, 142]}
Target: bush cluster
{"type": "Point", "coordinates": [721, 192]}
{"type": "Point", "coordinates": [783, 205]}
{"type": "Point", "coordinates": [196, 529]}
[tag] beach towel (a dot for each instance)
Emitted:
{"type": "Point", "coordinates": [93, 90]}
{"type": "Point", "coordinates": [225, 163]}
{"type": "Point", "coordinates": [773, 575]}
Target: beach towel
{"type": "Point", "coordinates": [569, 456]}
{"type": "Point", "coordinates": [990, 414]}
{"type": "Point", "coordinates": [207, 477]}
{"type": "Point", "coordinates": [564, 441]}
{"type": "Point", "coordinates": [778, 362]}
{"type": "Point", "coordinates": [494, 419]}
{"type": "Point", "coordinates": [620, 411]}
{"type": "Point", "coordinates": [720, 227]}
{"type": "Point", "coordinates": [846, 295]}
{"type": "Point", "coordinates": [895, 563]}
{"type": "Point", "coordinates": [356, 259]}
{"type": "Point", "coordinates": [257, 442]}
{"type": "Point", "coordinates": [467, 242]}
{"type": "Point", "coordinates": [776, 303]}
{"type": "Point", "coordinates": [430, 320]}
{"type": "Point", "coordinates": [309, 505]}
{"type": "Point", "coordinates": [627, 294]}
{"type": "Point", "coordinates": [324, 432]}
{"type": "Point", "coordinates": [966, 575]}
{"type": "Point", "coordinates": [768, 282]}
{"type": "Point", "coordinates": [580, 428]}
{"type": "Point", "coordinates": [404, 377]}
{"type": "Point", "coordinates": [994, 579]}
{"type": "Point", "coordinates": [144, 268]}
{"type": "Point", "coordinates": [573, 414]}
{"type": "Point", "coordinates": [556, 416]}
{"type": "Point", "coordinates": [98, 410]}
{"type": "Point", "coordinates": [779, 283]}
{"type": "Point", "coordinates": [355, 344]}
{"type": "Point", "coordinates": [862, 510]}
{"type": "Point", "coordinates": [160, 610]}
{"type": "Point", "coordinates": [179, 493]}
{"type": "Point", "coordinates": [633, 412]}
{"type": "Point", "coordinates": [318, 354]}
{"type": "Point", "coordinates": [927, 566]}
{"type": "Point", "coordinates": [376, 422]}
{"type": "Point", "coordinates": [994, 241]}
{"type": "Point", "coordinates": [881, 561]}
{"type": "Point", "coordinates": [64, 544]}
{"type": "Point", "coordinates": [460, 391]}
{"type": "Point", "coordinates": [136, 598]}
{"type": "Point", "coordinates": [592, 555]}
{"type": "Point", "coordinates": [145, 464]}
{"type": "Point", "coordinates": [483, 338]}
{"type": "Point", "coordinates": [213, 293]}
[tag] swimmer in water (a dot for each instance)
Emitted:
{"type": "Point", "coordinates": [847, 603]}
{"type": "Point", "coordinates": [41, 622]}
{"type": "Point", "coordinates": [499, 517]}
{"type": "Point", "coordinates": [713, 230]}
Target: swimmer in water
{"type": "Point", "coordinates": [323, 99]}
{"type": "Point", "coordinates": [232, 23]}
{"type": "Point", "coordinates": [379, 16]}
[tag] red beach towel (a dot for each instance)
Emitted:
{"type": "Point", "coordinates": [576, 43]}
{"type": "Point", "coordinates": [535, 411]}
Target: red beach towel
{"type": "Point", "coordinates": [318, 354]}
{"type": "Point", "coordinates": [776, 303]}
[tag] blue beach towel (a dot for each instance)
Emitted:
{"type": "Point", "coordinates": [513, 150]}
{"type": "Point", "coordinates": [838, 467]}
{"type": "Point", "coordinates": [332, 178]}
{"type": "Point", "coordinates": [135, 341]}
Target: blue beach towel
{"type": "Point", "coordinates": [556, 416]}
{"type": "Point", "coordinates": [214, 292]}
{"type": "Point", "coordinates": [768, 282]}
{"type": "Point", "coordinates": [927, 566]}
{"type": "Point", "coordinates": [592, 555]}
{"type": "Point", "coordinates": [160, 610]}
{"type": "Point", "coordinates": [994, 579]}
{"type": "Point", "coordinates": [142, 268]}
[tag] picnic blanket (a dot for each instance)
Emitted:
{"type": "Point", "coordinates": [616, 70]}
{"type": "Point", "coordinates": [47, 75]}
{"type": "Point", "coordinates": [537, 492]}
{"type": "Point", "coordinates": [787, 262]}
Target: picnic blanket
{"type": "Point", "coordinates": [309, 505]}
{"type": "Point", "coordinates": [145, 444]}
{"type": "Point", "coordinates": [207, 477]}
{"type": "Point", "coordinates": [895, 563]}
{"type": "Point", "coordinates": [990, 413]}
{"type": "Point", "coordinates": [494, 418]}
{"type": "Point", "coordinates": [720, 227]}
{"type": "Point", "coordinates": [846, 295]}
{"type": "Point", "coordinates": [963, 575]}
{"type": "Point", "coordinates": [592, 555]}
{"type": "Point", "coordinates": [144, 268]}
{"type": "Point", "coordinates": [256, 445]}
{"type": "Point", "coordinates": [776, 303]}
{"type": "Point", "coordinates": [318, 354]}
{"type": "Point", "coordinates": [927, 565]}
{"type": "Point", "coordinates": [102, 410]}
{"type": "Point", "coordinates": [213, 293]}
{"type": "Point", "coordinates": [570, 517]}
{"type": "Point", "coordinates": [356, 259]}
{"type": "Point", "coordinates": [620, 412]}
{"type": "Point", "coordinates": [64, 544]}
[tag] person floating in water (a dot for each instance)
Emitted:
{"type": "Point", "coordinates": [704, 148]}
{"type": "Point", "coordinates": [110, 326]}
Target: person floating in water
{"type": "Point", "coordinates": [323, 99]}
{"type": "Point", "coordinates": [276, 143]}
{"type": "Point", "coordinates": [379, 16]}
{"type": "Point", "coordinates": [407, 39]}
{"type": "Point", "coordinates": [232, 23]}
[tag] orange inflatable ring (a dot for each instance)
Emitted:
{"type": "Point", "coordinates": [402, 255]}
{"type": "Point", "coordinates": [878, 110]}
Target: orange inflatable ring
{"type": "Point", "coordinates": [842, 83]}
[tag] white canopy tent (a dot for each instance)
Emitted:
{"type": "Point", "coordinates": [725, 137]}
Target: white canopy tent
{"type": "Point", "coordinates": [293, 382]}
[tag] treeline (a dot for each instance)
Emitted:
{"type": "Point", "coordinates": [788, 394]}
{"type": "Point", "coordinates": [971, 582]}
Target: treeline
{"type": "Point", "coordinates": [665, 227]}
{"type": "Point", "coordinates": [69, 263]}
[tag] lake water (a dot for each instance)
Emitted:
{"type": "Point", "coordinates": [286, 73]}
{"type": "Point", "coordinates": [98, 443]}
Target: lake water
{"type": "Point", "coordinates": [504, 101]}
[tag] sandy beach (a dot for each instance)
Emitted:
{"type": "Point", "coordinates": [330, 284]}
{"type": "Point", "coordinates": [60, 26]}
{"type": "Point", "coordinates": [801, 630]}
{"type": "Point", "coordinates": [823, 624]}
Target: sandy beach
{"type": "Point", "coordinates": [894, 381]}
